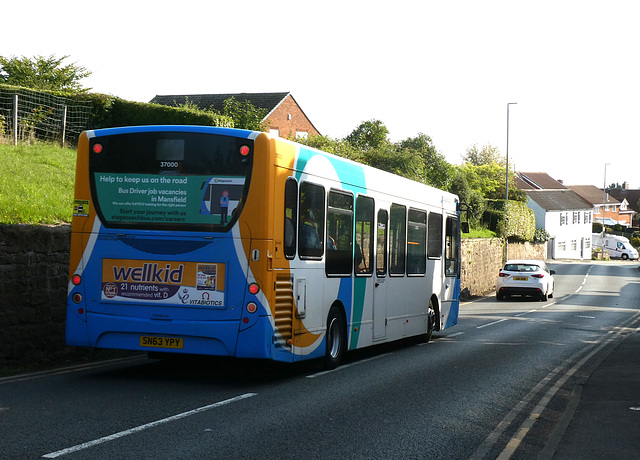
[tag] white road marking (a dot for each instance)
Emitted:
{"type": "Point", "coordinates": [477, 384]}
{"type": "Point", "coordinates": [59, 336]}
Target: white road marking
{"type": "Point", "coordinates": [453, 335]}
{"type": "Point", "coordinates": [525, 313]}
{"type": "Point", "coordinates": [491, 324]}
{"type": "Point", "coordinates": [346, 366]}
{"type": "Point", "coordinates": [137, 429]}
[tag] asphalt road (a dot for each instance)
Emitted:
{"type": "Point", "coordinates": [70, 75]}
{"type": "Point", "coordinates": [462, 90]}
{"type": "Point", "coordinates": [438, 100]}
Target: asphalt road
{"type": "Point", "coordinates": [497, 385]}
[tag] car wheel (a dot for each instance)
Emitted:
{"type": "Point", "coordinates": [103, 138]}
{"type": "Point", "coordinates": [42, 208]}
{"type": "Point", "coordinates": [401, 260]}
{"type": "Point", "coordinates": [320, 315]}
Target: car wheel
{"type": "Point", "coordinates": [336, 339]}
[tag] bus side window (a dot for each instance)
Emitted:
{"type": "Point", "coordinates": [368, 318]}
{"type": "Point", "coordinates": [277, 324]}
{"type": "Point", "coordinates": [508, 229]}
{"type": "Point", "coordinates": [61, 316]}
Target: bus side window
{"type": "Point", "coordinates": [311, 221]}
{"type": "Point", "coordinates": [452, 254]}
{"type": "Point", "coordinates": [417, 242]}
{"type": "Point", "coordinates": [339, 233]}
{"type": "Point", "coordinates": [381, 243]}
{"type": "Point", "coordinates": [434, 248]}
{"type": "Point", "coordinates": [290, 217]}
{"type": "Point", "coordinates": [397, 239]}
{"type": "Point", "coordinates": [363, 255]}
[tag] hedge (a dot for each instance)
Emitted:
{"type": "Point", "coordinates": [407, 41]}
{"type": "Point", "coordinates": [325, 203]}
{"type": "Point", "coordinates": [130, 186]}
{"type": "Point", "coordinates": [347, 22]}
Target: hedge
{"type": "Point", "coordinates": [521, 222]}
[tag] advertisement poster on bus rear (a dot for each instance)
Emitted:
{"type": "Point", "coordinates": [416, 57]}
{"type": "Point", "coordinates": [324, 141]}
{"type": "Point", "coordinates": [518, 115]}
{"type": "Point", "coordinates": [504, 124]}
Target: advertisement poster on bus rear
{"type": "Point", "coordinates": [148, 198]}
{"type": "Point", "coordinates": [161, 282]}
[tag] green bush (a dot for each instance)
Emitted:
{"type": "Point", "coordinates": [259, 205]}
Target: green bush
{"type": "Point", "coordinates": [511, 219]}
{"type": "Point", "coordinates": [110, 111]}
{"type": "Point", "coordinates": [541, 236]}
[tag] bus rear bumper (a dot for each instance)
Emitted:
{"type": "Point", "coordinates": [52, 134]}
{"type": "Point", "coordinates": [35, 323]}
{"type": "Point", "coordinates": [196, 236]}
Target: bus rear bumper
{"type": "Point", "coordinates": [140, 334]}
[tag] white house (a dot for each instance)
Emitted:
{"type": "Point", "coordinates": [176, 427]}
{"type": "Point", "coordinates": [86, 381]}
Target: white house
{"type": "Point", "coordinates": [567, 218]}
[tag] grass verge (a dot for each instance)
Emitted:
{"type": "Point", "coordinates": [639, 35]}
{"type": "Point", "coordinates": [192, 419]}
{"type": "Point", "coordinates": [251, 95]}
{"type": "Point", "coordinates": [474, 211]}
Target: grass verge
{"type": "Point", "coordinates": [36, 184]}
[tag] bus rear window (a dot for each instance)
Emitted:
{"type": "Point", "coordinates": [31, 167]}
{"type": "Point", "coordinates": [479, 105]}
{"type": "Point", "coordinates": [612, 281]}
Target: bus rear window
{"type": "Point", "coordinates": [169, 180]}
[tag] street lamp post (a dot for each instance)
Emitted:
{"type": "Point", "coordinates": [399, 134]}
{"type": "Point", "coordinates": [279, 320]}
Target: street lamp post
{"type": "Point", "coordinates": [604, 201]}
{"type": "Point", "coordinates": [506, 204]}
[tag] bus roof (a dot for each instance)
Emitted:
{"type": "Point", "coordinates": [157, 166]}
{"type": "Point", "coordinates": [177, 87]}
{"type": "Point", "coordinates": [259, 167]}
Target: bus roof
{"type": "Point", "coordinates": [233, 132]}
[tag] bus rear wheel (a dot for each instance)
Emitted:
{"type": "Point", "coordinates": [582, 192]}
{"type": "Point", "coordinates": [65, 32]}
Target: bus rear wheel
{"type": "Point", "coordinates": [431, 323]}
{"type": "Point", "coordinates": [336, 339]}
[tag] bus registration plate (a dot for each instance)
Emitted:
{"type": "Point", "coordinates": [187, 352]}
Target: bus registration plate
{"type": "Point", "coordinates": [161, 342]}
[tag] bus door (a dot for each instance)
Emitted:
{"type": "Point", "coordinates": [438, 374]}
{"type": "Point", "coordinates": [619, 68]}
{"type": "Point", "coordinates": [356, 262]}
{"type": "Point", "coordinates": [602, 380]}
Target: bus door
{"type": "Point", "coordinates": [451, 287]}
{"type": "Point", "coordinates": [380, 290]}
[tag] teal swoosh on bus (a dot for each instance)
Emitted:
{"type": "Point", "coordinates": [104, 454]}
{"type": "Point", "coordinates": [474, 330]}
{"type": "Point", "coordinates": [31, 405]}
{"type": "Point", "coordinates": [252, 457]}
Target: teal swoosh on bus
{"type": "Point", "coordinates": [352, 178]}
{"type": "Point", "coordinates": [350, 174]}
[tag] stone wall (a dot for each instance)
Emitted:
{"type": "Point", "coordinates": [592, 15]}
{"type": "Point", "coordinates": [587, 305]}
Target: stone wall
{"type": "Point", "coordinates": [34, 264]}
{"type": "Point", "coordinates": [482, 258]}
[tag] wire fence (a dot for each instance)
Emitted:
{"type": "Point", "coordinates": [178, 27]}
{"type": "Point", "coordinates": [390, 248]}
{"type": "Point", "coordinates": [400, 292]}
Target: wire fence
{"type": "Point", "coordinates": [29, 116]}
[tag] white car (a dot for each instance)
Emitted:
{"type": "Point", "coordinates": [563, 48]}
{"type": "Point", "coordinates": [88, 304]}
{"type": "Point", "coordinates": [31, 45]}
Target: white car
{"type": "Point", "coordinates": [525, 278]}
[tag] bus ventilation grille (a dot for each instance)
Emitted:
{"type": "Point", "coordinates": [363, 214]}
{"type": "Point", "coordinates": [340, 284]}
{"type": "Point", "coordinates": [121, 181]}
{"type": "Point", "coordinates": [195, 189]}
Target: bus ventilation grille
{"type": "Point", "coordinates": [284, 308]}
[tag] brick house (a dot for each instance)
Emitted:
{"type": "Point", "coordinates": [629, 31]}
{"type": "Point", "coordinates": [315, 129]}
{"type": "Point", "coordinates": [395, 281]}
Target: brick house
{"type": "Point", "coordinates": [629, 198]}
{"type": "Point", "coordinates": [284, 116]}
{"type": "Point", "coordinates": [615, 211]}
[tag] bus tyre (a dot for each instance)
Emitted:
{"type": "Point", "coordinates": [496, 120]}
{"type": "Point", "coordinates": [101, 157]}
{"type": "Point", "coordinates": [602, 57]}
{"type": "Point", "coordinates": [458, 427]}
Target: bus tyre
{"type": "Point", "coordinates": [336, 339]}
{"type": "Point", "coordinates": [431, 323]}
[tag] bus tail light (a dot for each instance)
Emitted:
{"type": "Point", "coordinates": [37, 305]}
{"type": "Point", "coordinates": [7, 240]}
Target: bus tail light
{"type": "Point", "coordinates": [244, 150]}
{"type": "Point", "coordinates": [97, 148]}
{"type": "Point", "coordinates": [76, 279]}
{"type": "Point", "coordinates": [254, 288]}
{"type": "Point", "coordinates": [252, 307]}
{"type": "Point", "coordinates": [77, 297]}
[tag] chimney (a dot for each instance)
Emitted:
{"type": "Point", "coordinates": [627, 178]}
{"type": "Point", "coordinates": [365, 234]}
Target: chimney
{"type": "Point", "coordinates": [625, 185]}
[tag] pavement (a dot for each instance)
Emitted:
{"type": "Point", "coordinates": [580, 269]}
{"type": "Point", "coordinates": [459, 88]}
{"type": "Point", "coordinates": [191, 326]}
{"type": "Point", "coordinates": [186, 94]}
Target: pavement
{"type": "Point", "coordinates": [606, 408]}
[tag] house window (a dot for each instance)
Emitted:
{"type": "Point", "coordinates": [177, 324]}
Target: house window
{"type": "Point", "coordinates": [587, 243]}
{"type": "Point", "coordinates": [587, 217]}
{"type": "Point", "coordinates": [563, 219]}
{"type": "Point", "coordinates": [576, 218]}
{"type": "Point", "coordinates": [574, 245]}
{"type": "Point", "coordinates": [302, 134]}
{"type": "Point", "coordinates": [274, 132]}
{"type": "Point", "coordinates": [562, 246]}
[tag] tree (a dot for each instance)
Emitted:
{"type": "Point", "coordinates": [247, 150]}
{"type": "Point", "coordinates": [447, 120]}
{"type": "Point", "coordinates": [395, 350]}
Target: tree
{"type": "Point", "coordinates": [245, 115]}
{"type": "Point", "coordinates": [339, 147]}
{"type": "Point", "coordinates": [43, 73]}
{"type": "Point", "coordinates": [402, 162]}
{"type": "Point", "coordinates": [471, 197]}
{"type": "Point", "coordinates": [369, 135]}
{"type": "Point", "coordinates": [436, 171]}
{"type": "Point", "coordinates": [486, 156]}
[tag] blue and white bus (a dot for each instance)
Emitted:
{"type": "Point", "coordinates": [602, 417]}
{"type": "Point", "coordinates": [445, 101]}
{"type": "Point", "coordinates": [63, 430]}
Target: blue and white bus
{"type": "Point", "coordinates": [217, 241]}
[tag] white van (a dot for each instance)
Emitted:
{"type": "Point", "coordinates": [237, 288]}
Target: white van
{"type": "Point", "coordinates": [618, 247]}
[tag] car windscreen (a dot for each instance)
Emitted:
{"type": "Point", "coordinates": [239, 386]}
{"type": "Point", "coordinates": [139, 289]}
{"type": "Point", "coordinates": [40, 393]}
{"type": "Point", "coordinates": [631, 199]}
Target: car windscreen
{"type": "Point", "coordinates": [521, 268]}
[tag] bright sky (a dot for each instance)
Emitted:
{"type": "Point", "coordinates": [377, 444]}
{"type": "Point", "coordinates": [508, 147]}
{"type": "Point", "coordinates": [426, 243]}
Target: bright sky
{"type": "Point", "coordinates": [443, 68]}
